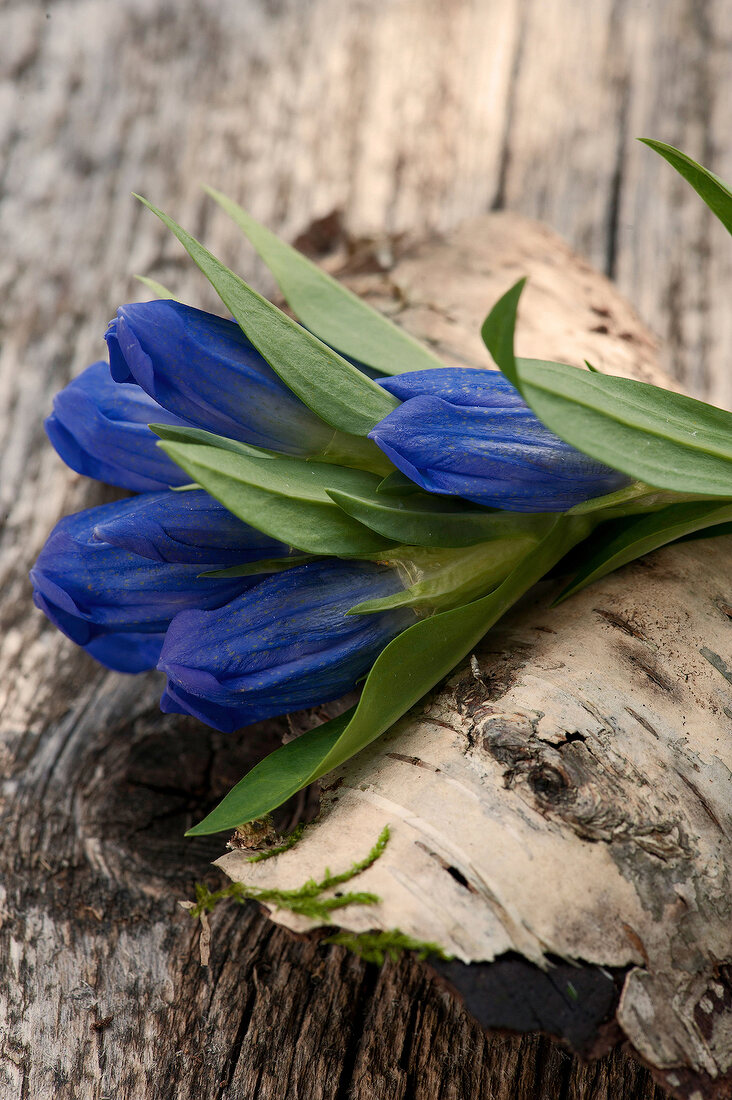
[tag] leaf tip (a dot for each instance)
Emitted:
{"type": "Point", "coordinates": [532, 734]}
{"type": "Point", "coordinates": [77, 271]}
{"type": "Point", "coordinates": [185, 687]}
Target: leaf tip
{"type": "Point", "coordinates": [213, 192]}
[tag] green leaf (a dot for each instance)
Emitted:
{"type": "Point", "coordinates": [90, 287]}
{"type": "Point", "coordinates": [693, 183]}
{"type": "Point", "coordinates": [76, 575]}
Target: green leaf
{"type": "Point", "coordinates": [442, 579]}
{"type": "Point", "coordinates": [709, 187]}
{"type": "Point", "coordinates": [280, 775]}
{"type": "Point", "coordinates": [408, 667]}
{"type": "Point", "coordinates": [330, 310]}
{"type": "Point", "coordinates": [708, 532]}
{"type": "Point", "coordinates": [398, 484]}
{"type": "Point", "coordinates": [266, 565]}
{"type": "Point", "coordinates": [157, 288]}
{"type": "Point", "coordinates": [498, 332]}
{"type": "Point", "coordinates": [641, 535]}
{"type": "Point", "coordinates": [421, 519]}
{"type": "Point", "coordinates": [635, 496]}
{"type": "Point", "coordinates": [334, 389]}
{"type": "Point", "coordinates": [175, 433]}
{"type": "Point", "coordinates": [285, 498]}
{"type": "Point", "coordinates": [664, 439]}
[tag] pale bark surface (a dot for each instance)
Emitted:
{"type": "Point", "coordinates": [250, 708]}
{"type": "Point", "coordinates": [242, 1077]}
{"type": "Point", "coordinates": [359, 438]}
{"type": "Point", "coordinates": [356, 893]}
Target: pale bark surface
{"type": "Point", "coordinates": [407, 116]}
{"type": "Point", "coordinates": [568, 794]}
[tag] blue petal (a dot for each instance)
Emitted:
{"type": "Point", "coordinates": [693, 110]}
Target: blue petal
{"type": "Point", "coordinates": [87, 587]}
{"type": "Point", "coordinates": [500, 456]}
{"type": "Point", "coordinates": [185, 527]}
{"type": "Point", "coordinates": [126, 652]}
{"type": "Point", "coordinates": [459, 385]}
{"type": "Point", "coordinates": [99, 429]}
{"type": "Point", "coordinates": [203, 368]}
{"type": "Point", "coordinates": [175, 700]}
{"type": "Point", "coordinates": [288, 644]}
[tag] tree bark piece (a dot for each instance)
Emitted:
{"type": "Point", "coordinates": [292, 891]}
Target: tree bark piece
{"type": "Point", "coordinates": [567, 796]}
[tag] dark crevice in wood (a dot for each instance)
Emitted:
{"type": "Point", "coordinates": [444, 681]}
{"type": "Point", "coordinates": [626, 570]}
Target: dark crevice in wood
{"type": "Point", "coordinates": [615, 189]}
{"type": "Point", "coordinates": [570, 1001]}
{"type": "Point", "coordinates": [499, 199]}
{"type": "Point", "coordinates": [366, 992]}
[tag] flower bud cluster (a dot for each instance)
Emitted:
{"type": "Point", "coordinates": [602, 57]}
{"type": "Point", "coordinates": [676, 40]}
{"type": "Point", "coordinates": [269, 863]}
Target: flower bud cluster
{"type": "Point", "coordinates": [128, 581]}
{"type": "Point", "coordinates": [124, 580]}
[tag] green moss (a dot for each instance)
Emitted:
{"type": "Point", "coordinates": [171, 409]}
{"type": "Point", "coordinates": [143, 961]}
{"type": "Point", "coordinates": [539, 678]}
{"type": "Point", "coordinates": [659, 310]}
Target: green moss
{"type": "Point", "coordinates": [307, 900]}
{"type": "Point", "coordinates": [374, 947]}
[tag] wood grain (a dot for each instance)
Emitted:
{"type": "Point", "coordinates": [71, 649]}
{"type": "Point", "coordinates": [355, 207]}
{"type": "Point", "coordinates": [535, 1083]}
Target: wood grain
{"type": "Point", "coordinates": [407, 116]}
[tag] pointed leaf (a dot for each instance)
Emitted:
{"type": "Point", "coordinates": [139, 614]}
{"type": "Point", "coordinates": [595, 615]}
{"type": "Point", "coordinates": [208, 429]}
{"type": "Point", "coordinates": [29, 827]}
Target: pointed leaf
{"type": "Point", "coordinates": [334, 389]}
{"type": "Point", "coordinates": [397, 483]}
{"type": "Point", "coordinates": [425, 520]}
{"type": "Point", "coordinates": [180, 433]}
{"type": "Point", "coordinates": [281, 774]}
{"type": "Point", "coordinates": [266, 565]}
{"type": "Point", "coordinates": [452, 578]}
{"type": "Point", "coordinates": [498, 331]}
{"type": "Point", "coordinates": [330, 310]}
{"type": "Point", "coordinates": [640, 535]}
{"type": "Point", "coordinates": [709, 187]}
{"type": "Point", "coordinates": [664, 439]}
{"type": "Point", "coordinates": [285, 498]}
{"type": "Point", "coordinates": [157, 288]}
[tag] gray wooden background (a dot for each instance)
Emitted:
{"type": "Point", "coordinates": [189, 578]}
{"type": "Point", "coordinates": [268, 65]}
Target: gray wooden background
{"type": "Point", "coordinates": [407, 116]}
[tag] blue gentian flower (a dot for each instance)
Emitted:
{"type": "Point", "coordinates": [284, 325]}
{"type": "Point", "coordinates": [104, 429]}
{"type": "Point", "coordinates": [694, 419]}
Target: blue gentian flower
{"type": "Point", "coordinates": [99, 429]}
{"type": "Point", "coordinates": [469, 433]}
{"type": "Point", "coordinates": [203, 368]}
{"type": "Point", "coordinates": [285, 645]}
{"type": "Point", "coordinates": [126, 652]}
{"type": "Point", "coordinates": [89, 588]}
{"type": "Point", "coordinates": [187, 526]}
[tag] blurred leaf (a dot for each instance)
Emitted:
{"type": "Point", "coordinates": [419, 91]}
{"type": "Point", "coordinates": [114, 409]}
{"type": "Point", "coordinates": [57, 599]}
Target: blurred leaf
{"type": "Point", "coordinates": [340, 318]}
{"type": "Point", "coordinates": [334, 389]}
{"type": "Point", "coordinates": [709, 187]}
{"type": "Point", "coordinates": [157, 288]}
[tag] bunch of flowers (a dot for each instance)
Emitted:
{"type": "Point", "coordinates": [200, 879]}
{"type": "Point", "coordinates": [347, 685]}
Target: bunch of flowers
{"type": "Point", "coordinates": [324, 502]}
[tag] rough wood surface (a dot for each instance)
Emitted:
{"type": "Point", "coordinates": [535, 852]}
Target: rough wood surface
{"type": "Point", "coordinates": [407, 116]}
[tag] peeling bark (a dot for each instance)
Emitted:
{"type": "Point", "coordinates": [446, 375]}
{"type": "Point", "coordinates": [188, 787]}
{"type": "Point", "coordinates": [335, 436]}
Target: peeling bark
{"type": "Point", "coordinates": [567, 795]}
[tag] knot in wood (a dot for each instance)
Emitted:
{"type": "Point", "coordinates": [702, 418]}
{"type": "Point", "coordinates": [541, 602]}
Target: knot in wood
{"type": "Point", "coordinates": [564, 779]}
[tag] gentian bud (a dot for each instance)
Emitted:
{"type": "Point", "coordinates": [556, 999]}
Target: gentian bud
{"type": "Point", "coordinates": [88, 588]}
{"type": "Point", "coordinates": [187, 526]}
{"type": "Point", "coordinates": [203, 368]}
{"type": "Point", "coordinates": [100, 429]}
{"type": "Point", "coordinates": [126, 652]}
{"type": "Point", "coordinates": [287, 644]}
{"type": "Point", "coordinates": [469, 433]}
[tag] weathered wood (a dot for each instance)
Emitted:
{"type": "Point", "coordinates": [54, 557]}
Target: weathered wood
{"type": "Point", "coordinates": [407, 116]}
